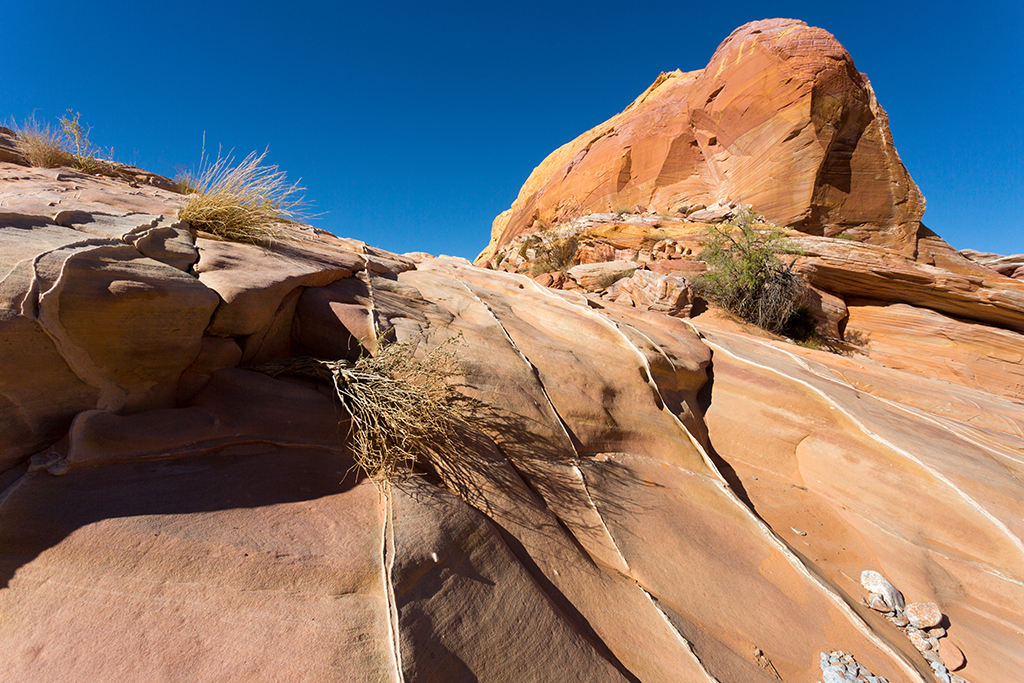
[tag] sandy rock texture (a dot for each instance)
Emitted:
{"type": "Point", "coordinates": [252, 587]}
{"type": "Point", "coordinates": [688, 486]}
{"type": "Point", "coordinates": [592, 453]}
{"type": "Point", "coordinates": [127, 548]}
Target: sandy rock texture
{"type": "Point", "coordinates": [780, 119]}
{"type": "Point", "coordinates": [624, 505]}
{"type": "Point", "coordinates": [642, 488]}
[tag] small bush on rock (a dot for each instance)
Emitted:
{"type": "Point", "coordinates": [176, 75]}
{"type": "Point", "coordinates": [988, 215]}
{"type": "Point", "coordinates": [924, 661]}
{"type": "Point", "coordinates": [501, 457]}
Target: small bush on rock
{"type": "Point", "coordinates": [402, 408]}
{"type": "Point", "coordinates": [244, 203]}
{"type": "Point", "coordinates": [47, 147]}
{"type": "Point", "coordinates": [556, 255]}
{"type": "Point", "coordinates": [746, 276]}
{"type": "Point", "coordinates": [42, 145]}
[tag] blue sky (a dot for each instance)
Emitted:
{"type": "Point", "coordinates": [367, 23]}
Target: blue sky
{"type": "Point", "coordinates": [413, 124]}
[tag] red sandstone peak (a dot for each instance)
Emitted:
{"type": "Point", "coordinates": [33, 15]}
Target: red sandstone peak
{"type": "Point", "coordinates": [780, 119]}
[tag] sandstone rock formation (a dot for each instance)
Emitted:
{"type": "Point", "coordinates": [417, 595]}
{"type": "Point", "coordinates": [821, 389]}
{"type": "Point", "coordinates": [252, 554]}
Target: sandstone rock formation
{"type": "Point", "coordinates": [779, 119]}
{"type": "Point", "coordinates": [635, 494]}
{"type": "Point", "coordinates": [1011, 266]}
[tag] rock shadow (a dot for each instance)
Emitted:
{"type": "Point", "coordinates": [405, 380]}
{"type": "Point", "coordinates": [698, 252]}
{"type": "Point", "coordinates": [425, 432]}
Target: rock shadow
{"type": "Point", "coordinates": [39, 510]}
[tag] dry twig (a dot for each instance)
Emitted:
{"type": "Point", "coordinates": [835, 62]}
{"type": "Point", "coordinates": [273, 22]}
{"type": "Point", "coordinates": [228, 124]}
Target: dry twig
{"type": "Point", "coordinates": [402, 409]}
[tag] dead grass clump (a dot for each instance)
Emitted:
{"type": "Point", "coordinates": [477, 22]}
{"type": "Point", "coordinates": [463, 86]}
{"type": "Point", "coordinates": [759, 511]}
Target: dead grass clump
{"type": "Point", "coordinates": [43, 145]}
{"type": "Point", "coordinates": [244, 203]}
{"type": "Point", "coordinates": [402, 408]}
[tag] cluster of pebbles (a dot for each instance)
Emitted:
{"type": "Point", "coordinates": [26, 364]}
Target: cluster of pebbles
{"type": "Point", "coordinates": [841, 667]}
{"type": "Point", "coordinates": [922, 622]}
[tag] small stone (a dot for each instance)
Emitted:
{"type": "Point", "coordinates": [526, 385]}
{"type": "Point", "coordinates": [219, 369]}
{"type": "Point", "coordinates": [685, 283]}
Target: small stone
{"type": "Point", "coordinates": [951, 655]}
{"type": "Point", "coordinates": [937, 632]}
{"type": "Point", "coordinates": [900, 620]}
{"type": "Point", "coordinates": [831, 675]}
{"type": "Point", "coordinates": [919, 640]}
{"type": "Point", "coordinates": [878, 603]}
{"type": "Point", "coordinates": [923, 614]}
{"type": "Point", "coordinates": [876, 583]}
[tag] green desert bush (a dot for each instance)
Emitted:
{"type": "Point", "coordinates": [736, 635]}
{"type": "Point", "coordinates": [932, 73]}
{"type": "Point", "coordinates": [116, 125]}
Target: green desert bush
{"type": "Point", "coordinates": [245, 202]}
{"type": "Point", "coordinates": [402, 407]}
{"type": "Point", "coordinates": [746, 276]}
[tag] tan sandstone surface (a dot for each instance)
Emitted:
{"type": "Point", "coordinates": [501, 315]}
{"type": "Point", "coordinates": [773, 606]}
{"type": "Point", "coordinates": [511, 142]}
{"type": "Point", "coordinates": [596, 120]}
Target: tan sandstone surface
{"type": "Point", "coordinates": [633, 494]}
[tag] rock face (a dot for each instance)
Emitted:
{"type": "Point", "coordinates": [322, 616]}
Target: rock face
{"type": "Point", "coordinates": [635, 494]}
{"type": "Point", "coordinates": [779, 119]}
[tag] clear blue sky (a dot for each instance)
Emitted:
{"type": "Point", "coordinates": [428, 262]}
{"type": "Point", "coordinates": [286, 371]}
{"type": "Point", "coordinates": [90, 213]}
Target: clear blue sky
{"type": "Point", "coordinates": [413, 124]}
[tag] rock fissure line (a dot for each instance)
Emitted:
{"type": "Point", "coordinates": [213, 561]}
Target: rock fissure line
{"type": "Point", "coordinates": [686, 645]}
{"type": "Point", "coordinates": [387, 566]}
{"type": "Point", "coordinates": [533, 368]}
{"type": "Point", "coordinates": [590, 499]}
{"type": "Point", "coordinates": [769, 534]}
{"type": "Point", "coordinates": [882, 440]}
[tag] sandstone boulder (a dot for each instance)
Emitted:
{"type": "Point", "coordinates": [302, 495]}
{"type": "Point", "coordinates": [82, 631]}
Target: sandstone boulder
{"type": "Point", "coordinates": [923, 615]}
{"type": "Point", "coordinates": [669, 294]}
{"type": "Point", "coordinates": [598, 276]}
{"type": "Point", "coordinates": [779, 119]}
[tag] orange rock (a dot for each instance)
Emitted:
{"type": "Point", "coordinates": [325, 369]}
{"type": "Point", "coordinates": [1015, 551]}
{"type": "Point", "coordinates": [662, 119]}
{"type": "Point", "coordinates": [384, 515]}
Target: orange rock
{"type": "Point", "coordinates": [780, 119]}
{"type": "Point", "coordinates": [923, 615]}
{"type": "Point", "coordinates": [951, 655]}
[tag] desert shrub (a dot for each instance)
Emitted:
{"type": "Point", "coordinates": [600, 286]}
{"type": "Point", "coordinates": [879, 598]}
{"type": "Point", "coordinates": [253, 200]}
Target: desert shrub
{"type": "Point", "coordinates": [245, 203]}
{"type": "Point", "coordinates": [48, 147]}
{"type": "Point", "coordinates": [402, 408]}
{"type": "Point", "coordinates": [85, 156]}
{"type": "Point", "coordinates": [746, 276]}
{"type": "Point", "coordinates": [606, 281]}
{"type": "Point", "coordinates": [556, 255]}
{"type": "Point", "coordinates": [43, 145]}
{"type": "Point", "coordinates": [76, 134]}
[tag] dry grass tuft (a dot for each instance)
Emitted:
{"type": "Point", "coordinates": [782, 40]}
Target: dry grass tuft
{"type": "Point", "coordinates": [403, 408]}
{"type": "Point", "coordinates": [43, 145]}
{"type": "Point", "coordinates": [244, 203]}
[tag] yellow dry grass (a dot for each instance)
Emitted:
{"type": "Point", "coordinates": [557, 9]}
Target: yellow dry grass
{"type": "Point", "coordinates": [402, 407]}
{"type": "Point", "coordinates": [245, 202]}
{"type": "Point", "coordinates": [43, 145]}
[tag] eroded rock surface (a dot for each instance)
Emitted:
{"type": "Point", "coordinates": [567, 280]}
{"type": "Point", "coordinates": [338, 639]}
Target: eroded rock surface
{"type": "Point", "coordinates": [779, 119]}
